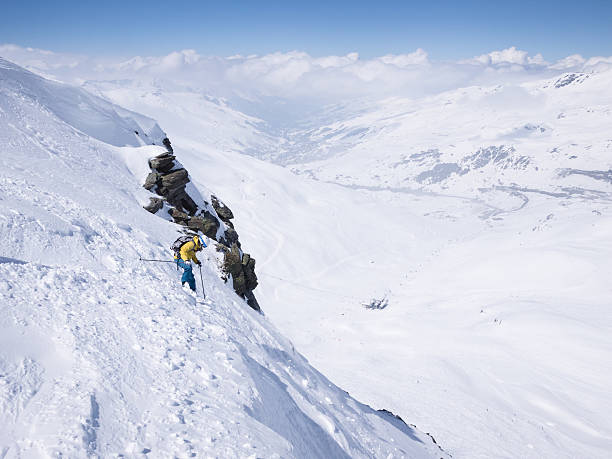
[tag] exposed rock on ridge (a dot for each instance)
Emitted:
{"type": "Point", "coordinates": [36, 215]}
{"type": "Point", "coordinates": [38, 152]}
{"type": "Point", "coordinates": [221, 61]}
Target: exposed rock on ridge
{"type": "Point", "coordinates": [168, 180]}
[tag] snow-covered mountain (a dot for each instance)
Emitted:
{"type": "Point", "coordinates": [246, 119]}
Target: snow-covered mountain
{"type": "Point", "coordinates": [199, 119]}
{"type": "Point", "coordinates": [546, 134]}
{"type": "Point", "coordinates": [103, 355]}
{"type": "Point", "coordinates": [498, 311]}
{"type": "Point", "coordinates": [89, 114]}
{"type": "Point", "coordinates": [481, 214]}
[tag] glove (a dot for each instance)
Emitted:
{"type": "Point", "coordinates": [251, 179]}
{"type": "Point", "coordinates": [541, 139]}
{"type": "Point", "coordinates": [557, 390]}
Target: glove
{"type": "Point", "coordinates": [199, 263]}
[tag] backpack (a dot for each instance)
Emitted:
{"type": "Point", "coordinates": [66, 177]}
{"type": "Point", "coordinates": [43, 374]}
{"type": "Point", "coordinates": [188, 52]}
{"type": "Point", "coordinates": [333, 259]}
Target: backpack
{"type": "Point", "coordinates": [180, 242]}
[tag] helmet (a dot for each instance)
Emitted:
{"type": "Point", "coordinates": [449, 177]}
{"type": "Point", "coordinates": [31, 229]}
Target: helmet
{"type": "Point", "coordinates": [198, 243]}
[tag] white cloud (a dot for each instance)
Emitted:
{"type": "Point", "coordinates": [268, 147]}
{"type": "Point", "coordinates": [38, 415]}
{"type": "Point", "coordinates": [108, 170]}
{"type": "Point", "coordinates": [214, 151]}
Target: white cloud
{"type": "Point", "coordinates": [508, 57]}
{"type": "Point", "coordinates": [41, 61]}
{"type": "Point", "coordinates": [419, 57]}
{"type": "Point", "coordinates": [569, 62]}
{"type": "Point", "coordinates": [598, 64]}
{"type": "Point", "coordinates": [298, 75]}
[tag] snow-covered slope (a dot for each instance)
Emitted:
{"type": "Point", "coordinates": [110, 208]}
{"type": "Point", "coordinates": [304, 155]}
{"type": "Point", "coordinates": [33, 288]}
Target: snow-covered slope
{"type": "Point", "coordinates": [199, 119]}
{"type": "Point", "coordinates": [498, 314]}
{"type": "Point", "coordinates": [89, 114]}
{"type": "Point", "coordinates": [539, 134]}
{"type": "Point", "coordinates": [104, 355]}
{"type": "Point", "coordinates": [484, 215]}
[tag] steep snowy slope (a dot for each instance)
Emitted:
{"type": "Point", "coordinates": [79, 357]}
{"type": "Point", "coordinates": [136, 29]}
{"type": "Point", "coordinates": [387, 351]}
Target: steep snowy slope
{"type": "Point", "coordinates": [195, 115]}
{"type": "Point", "coordinates": [498, 316]}
{"type": "Point", "coordinates": [104, 355]}
{"type": "Point", "coordinates": [484, 216]}
{"type": "Point", "coordinates": [89, 114]}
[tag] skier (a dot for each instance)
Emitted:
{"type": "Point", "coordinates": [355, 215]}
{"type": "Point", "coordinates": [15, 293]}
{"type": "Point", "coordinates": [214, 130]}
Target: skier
{"type": "Point", "coordinates": [187, 254]}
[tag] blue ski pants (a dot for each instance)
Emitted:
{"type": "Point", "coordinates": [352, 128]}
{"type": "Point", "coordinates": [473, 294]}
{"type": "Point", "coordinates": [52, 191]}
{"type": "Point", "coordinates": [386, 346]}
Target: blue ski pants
{"type": "Point", "coordinates": [187, 273]}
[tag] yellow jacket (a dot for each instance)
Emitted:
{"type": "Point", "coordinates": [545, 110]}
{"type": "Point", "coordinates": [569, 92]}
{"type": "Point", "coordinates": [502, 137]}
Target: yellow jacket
{"type": "Point", "coordinates": [188, 251]}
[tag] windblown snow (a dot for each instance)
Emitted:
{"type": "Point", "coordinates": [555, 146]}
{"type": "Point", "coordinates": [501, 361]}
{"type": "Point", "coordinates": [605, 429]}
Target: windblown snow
{"type": "Point", "coordinates": [103, 355]}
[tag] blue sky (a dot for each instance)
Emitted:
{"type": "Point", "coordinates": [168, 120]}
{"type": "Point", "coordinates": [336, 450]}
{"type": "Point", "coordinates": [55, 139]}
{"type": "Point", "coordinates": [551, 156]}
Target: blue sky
{"type": "Point", "coordinates": [445, 29]}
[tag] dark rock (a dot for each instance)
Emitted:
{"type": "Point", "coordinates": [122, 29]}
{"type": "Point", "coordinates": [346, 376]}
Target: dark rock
{"type": "Point", "coordinates": [233, 261]}
{"type": "Point", "coordinates": [188, 204]}
{"type": "Point", "coordinates": [251, 277]}
{"type": "Point", "coordinates": [167, 144]}
{"type": "Point", "coordinates": [251, 264]}
{"type": "Point", "coordinates": [232, 264]}
{"type": "Point", "coordinates": [206, 224]}
{"type": "Point", "coordinates": [231, 237]}
{"type": "Point", "coordinates": [155, 205]}
{"type": "Point", "coordinates": [241, 267]}
{"type": "Point", "coordinates": [179, 198]}
{"type": "Point", "coordinates": [175, 179]}
{"type": "Point", "coordinates": [173, 195]}
{"type": "Point", "coordinates": [178, 216]}
{"type": "Point", "coordinates": [248, 264]}
{"type": "Point", "coordinates": [252, 301]}
{"type": "Point", "coordinates": [245, 259]}
{"type": "Point", "coordinates": [162, 163]}
{"type": "Point", "coordinates": [239, 284]}
{"type": "Point", "coordinates": [152, 179]}
{"type": "Point", "coordinates": [222, 210]}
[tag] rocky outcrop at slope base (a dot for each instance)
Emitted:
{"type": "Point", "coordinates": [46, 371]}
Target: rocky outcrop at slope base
{"type": "Point", "coordinates": [168, 180]}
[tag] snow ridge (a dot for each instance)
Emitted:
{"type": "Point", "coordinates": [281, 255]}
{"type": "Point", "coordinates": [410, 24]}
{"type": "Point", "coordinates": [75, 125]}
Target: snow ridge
{"type": "Point", "coordinates": [89, 114]}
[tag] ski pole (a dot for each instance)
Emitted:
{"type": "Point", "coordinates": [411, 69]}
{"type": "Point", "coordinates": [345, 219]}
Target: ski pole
{"type": "Point", "coordinates": [159, 261]}
{"type": "Point", "coordinates": [202, 281]}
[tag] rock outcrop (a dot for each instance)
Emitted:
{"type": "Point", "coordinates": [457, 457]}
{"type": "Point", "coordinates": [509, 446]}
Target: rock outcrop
{"type": "Point", "coordinates": [241, 268]}
{"type": "Point", "coordinates": [207, 224]}
{"type": "Point", "coordinates": [167, 144]}
{"type": "Point", "coordinates": [168, 180]}
{"type": "Point", "coordinates": [155, 205]}
{"type": "Point", "coordinates": [222, 210]}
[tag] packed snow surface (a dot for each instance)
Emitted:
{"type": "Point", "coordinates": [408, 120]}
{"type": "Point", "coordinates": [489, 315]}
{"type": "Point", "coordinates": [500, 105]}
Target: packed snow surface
{"type": "Point", "coordinates": [104, 355]}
